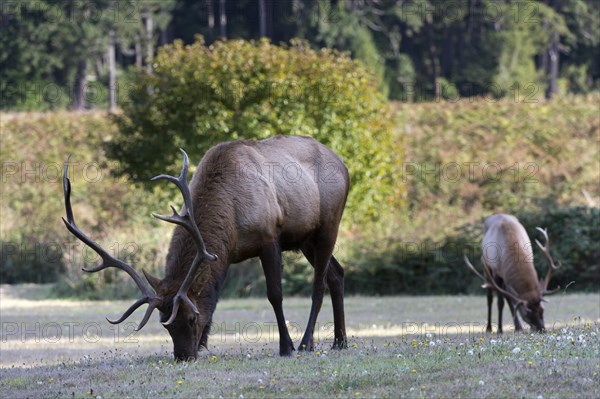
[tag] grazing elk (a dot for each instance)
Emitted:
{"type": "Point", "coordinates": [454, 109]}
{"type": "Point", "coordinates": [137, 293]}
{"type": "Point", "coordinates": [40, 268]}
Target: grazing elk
{"type": "Point", "coordinates": [508, 269]}
{"type": "Point", "coordinates": [246, 199]}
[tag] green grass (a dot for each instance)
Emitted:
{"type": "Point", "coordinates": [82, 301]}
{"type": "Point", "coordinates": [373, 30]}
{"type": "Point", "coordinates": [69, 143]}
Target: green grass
{"type": "Point", "coordinates": [399, 347]}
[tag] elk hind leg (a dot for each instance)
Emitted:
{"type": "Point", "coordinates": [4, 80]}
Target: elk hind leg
{"type": "Point", "coordinates": [490, 299]}
{"type": "Point", "coordinates": [318, 252]}
{"type": "Point", "coordinates": [335, 282]}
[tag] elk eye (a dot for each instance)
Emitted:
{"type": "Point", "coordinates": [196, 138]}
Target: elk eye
{"type": "Point", "coordinates": [192, 321]}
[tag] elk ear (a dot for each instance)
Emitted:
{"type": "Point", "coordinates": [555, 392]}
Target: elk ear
{"type": "Point", "coordinates": [155, 282]}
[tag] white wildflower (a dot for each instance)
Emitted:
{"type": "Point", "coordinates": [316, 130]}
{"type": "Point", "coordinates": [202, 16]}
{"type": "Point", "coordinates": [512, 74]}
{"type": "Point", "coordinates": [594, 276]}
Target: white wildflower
{"type": "Point", "coordinates": [481, 382]}
{"type": "Point", "coordinates": [516, 350]}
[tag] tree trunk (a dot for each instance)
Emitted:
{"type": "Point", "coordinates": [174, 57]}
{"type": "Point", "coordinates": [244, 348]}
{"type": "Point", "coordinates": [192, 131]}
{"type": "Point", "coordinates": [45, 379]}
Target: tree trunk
{"type": "Point", "coordinates": [222, 18]}
{"type": "Point", "coordinates": [554, 58]}
{"type": "Point", "coordinates": [434, 62]}
{"type": "Point", "coordinates": [138, 54]}
{"type": "Point", "coordinates": [447, 63]}
{"type": "Point", "coordinates": [543, 59]}
{"type": "Point", "coordinates": [262, 18]}
{"type": "Point", "coordinates": [112, 73]}
{"type": "Point", "coordinates": [149, 41]}
{"type": "Point", "coordinates": [210, 11]}
{"type": "Point", "coordinates": [80, 82]}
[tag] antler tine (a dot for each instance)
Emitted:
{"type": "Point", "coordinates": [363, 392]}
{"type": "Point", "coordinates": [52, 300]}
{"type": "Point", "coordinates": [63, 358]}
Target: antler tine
{"type": "Point", "coordinates": [148, 296]}
{"type": "Point", "coordinates": [473, 268]}
{"type": "Point", "coordinates": [546, 251]}
{"type": "Point", "coordinates": [151, 306]}
{"type": "Point", "coordinates": [489, 281]}
{"type": "Point", "coordinates": [490, 278]}
{"type": "Point", "coordinates": [188, 221]}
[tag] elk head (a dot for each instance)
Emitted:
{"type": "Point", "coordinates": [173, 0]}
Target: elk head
{"type": "Point", "coordinates": [533, 310]}
{"type": "Point", "coordinates": [180, 315]}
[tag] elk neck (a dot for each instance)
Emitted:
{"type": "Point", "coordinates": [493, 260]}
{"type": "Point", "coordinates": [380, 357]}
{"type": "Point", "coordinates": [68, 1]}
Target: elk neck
{"type": "Point", "coordinates": [217, 227]}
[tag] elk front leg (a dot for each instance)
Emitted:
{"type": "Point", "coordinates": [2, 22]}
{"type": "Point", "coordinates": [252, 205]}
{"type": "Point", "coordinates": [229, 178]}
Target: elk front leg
{"type": "Point", "coordinates": [515, 316]}
{"type": "Point", "coordinates": [335, 282]}
{"type": "Point", "coordinates": [500, 310]}
{"type": "Point", "coordinates": [270, 258]}
{"type": "Point", "coordinates": [203, 344]}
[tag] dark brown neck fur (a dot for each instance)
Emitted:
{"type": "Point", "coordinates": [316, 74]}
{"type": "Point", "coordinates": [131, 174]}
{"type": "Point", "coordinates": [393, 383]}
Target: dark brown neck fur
{"type": "Point", "coordinates": [218, 230]}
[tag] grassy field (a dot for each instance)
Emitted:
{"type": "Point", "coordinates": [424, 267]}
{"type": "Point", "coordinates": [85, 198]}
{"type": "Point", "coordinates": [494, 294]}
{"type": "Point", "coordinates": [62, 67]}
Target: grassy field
{"type": "Point", "coordinates": [399, 347]}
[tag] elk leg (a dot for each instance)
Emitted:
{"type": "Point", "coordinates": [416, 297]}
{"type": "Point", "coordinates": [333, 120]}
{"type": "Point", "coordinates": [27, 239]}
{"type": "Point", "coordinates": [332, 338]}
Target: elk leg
{"type": "Point", "coordinates": [490, 300]}
{"type": "Point", "coordinates": [515, 316]}
{"type": "Point", "coordinates": [270, 258]}
{"type": "Point", "coordinates": [321, 255]}
{"type": "Point", "coordinates": [335, 282]}
{"type": "Point", "coordinates": [500, 310]}
{"type": "Point", "coordinates": [204, 338]}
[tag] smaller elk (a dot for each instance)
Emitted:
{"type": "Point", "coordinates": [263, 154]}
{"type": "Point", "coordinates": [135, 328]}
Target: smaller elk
{"type": "Point", "coordinates": [508, 270]}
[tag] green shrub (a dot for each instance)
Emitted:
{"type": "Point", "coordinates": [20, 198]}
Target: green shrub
{"type": "Point", "coordinates": [36, 246]}
{"type": "Point", "coordinates": [574, 235]}
{"type": "Point", "coordinates": [199, 95]}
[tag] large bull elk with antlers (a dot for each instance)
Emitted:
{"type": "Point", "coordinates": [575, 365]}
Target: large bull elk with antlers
{"type": "Point", "coordinates": [246, 199]}
{"type": "Point", "coordinates": [508, 270]}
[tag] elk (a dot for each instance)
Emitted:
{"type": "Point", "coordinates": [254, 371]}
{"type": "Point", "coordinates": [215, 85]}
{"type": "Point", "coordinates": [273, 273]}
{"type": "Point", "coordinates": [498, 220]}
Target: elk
{"type": "Point", "coordinates": [246, 199]}
{"type": "Point", "coordinates": [508, 270]}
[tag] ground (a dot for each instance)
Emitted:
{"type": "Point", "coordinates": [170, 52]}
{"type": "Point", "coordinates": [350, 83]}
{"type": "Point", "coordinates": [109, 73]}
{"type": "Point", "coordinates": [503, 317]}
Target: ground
{"type": "Point", "coordinates": [398, 347]}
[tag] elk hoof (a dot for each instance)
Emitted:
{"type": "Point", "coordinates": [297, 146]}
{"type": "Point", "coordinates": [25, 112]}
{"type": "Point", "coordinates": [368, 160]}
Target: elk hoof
{"type": "Point", "coordinates": [286, 350]}
{"type": "Point", "coordinates": [340, 344]}
{"type": "Point", "coordinates": [306, 346]}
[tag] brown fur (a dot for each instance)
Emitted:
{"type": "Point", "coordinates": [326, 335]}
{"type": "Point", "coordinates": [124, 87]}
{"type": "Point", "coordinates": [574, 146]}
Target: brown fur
{"type": "Point", "coordinates": [246, 203]}
{"type": "Point", "coordinates": [242, 214]}
{"type": "Point", "coordinates": [507, 253]}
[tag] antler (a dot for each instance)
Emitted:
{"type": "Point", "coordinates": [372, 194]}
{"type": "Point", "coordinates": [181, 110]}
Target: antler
{"type": "Point", "coordinates": [546, 251]}
{"type": "Point", "coordinates": [490, 282]}
{"type": "Point", "coordinates": [148, 296]}
{"type": "Point", "coordinates": [468, 262]}
{"type": "Point", "coordinates": [490, 278]}
{"type": "Point", "coordinates": [189, 223]}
